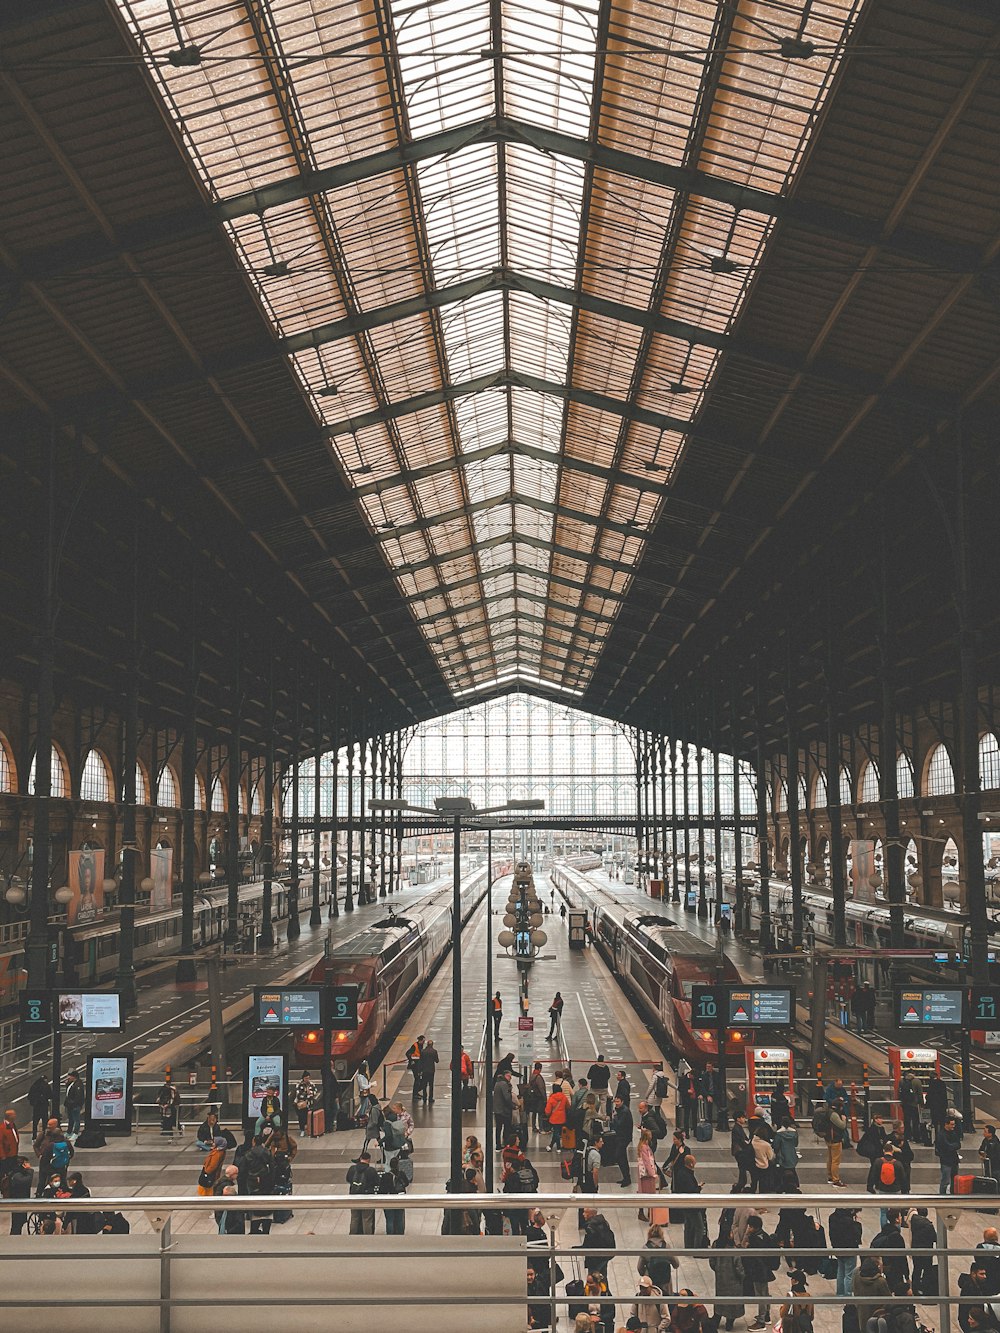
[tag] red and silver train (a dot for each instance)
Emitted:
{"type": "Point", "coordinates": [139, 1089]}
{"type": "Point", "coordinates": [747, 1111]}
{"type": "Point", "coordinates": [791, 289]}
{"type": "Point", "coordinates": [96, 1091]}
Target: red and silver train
{"type": "Point", "coordinates": [658, 962]}
{"type": "Point", "coordinates": [390, 961]}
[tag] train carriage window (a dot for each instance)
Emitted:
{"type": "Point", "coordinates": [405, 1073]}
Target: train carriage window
{"type": "Point", "coordinates": [644, 980]}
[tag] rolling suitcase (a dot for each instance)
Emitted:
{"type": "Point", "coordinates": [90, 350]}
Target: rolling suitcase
{"type": "Point", "coordinates": [984, 1185]}
{"type": "Point", "coordinates": [316, 1123]}
{"type": "Point", "coordinates": [470, 1097]}
{"type": "Point", "coordinates": [965, 1184]}
{"type": "Point", "coordinates": [703, 1129]}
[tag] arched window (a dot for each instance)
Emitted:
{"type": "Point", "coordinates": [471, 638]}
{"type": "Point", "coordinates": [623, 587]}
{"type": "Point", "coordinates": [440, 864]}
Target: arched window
{"type": "Point", "coordinates": [166, 788]}
{"type": "Point", "coordinates": [939, 776]}
{"type": "Point", "coordinates": [95, 780]}
{"type": "Point", "coordinates": [904, 775]}
{"type": "Point", "coordinates": [141, 786]}
{"type": "Point", "coordinates": [846, 790]}
{"type": "Point", "coordinates": [821, 793]}
{"type": "Point", "coordinates": [8, 771]}
{"type": "Point", "coordinates": [868, 786]}
{"type": "Point", "coordinates": [255, 806]}
{"type": "Point", "coordinates": [782, 795]}
{"type": "Point", "coordinates": [199, 792]}
{"type": "Point", "coordinates": [60, 774]}
{"type": "Point", "coordinates": [243, 799]}
{"type": "Point", "coordinates": [218, 797]}
{"type": "Point", "coordinates": [989, 761]}
{"type": "Point", "coordinates": [803, 795]}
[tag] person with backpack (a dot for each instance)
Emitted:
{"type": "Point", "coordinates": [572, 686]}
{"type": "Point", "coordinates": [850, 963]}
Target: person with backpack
{"type": "Point", "coordinates": [759, 1269]}
{"type": "Point", "coordinates": [519, 1178]}
{"type": "Point", "coordinates": [891, 1248]}
{"type": "Point", "coordinates": [362, 1178]}
{"type": "Point", "coordinates": [797, 1313]}
{"type": "Point", "coordinates": [726, 1263]}
{"type": "Point", "coordinates": [395, 1218]}
{"type": "Point", "coordinates": [887, 1176]}
{"type": "Point", "coordinates": [651, 1119]}
{"type": "Point", "coordinates": [55, 1158]}
{"type": "Point", "coordinates": [393, 1133]}
{"type": "Point", "coordinates": [211, 1168]}
{"type": "Point", "coordinates": [659, 1086]}
{"type": "Point", "coordinates": [872, 1142]}
{"type": "Point", "coordinates": [374, 1126]}
{"type": "Point", "coordinates": [599, 1077]}
{"type": "Point", "coordinates": [845, 1235]}
{"type": "Point", "coordinates": [836, 1132]}
{"type": "Point", "coordinates": [256, 1178]}
{"type": "Point", "coordinates": [73, 1099]}
{"type": "Point", "coordinates": [657, 1262]}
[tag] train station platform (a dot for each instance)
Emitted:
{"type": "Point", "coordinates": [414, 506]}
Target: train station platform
{"type": "Point", "coordinates": [152, 1172]}
{"type": "Point", "coordinates": [171, 1023]}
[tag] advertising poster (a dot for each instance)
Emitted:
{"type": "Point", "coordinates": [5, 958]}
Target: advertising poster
{"type": "Point", "coordinates": [109, 1092]}
{"type": "Point", "coordinates": [97, 1012]}
{"type": "Point", "coordinates": [862, 869]}
{"type": "Point", "coordinates": [265, 1074]}
{"type": "Point", "coordinates": [161, 868]}
{"type": "Point", "coordinates": [86, 882]}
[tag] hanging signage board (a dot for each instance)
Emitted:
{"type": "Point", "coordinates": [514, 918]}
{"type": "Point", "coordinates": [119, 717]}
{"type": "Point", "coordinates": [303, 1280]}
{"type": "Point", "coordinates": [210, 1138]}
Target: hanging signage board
{"type": "Point", "coordinates": [743, 1006]}
{"type": "Point", "coordinates": [80, 1011]}
{"type": "Point", "coordinates": [525, 1039]}
{"type": "Point", "coordinates": [300, 1008]}
{"type": "Point", "coordinates": [939, 1006]}
{"type": "Point", "coordinates": [342, 1007]}
{"type": "Point", "coordinates": [109, 1093]}
{"type": "Point", "coordinates": [36, 1014]}
{"type": "Point", "coordinates": [761, 1006]}
{"type": "Point", "coordinates": [984, 1009]}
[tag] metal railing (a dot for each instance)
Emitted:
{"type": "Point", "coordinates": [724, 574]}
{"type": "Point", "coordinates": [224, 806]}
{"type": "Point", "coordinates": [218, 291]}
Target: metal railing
{"type": "Point", "coordinates": [161, 1210]}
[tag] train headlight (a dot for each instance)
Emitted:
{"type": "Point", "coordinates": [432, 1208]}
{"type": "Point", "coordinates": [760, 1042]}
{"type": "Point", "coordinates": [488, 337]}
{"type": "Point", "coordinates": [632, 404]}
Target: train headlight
{"type": "Point", "coordinates": [312, 1036]}
{"type": "Point", "coordinates": [736, 1036]}
{"type": "Point", "coordinates": [705, 1036]}
{"type": "Point", "coordinates": [342, 1036]}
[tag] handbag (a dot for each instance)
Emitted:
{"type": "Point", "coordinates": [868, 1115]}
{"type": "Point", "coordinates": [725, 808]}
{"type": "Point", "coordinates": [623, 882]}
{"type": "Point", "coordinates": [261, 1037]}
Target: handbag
{"type": "Point", "coordinates": [828, 1267]}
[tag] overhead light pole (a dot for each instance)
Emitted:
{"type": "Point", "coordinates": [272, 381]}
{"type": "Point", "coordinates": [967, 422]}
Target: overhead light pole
{"type": "Point", "coordinates": [456, 809]}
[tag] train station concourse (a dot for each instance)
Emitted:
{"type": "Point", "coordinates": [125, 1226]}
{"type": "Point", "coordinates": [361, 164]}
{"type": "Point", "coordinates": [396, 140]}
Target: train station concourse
{"type": "Point", "coordinates": [499, 642]}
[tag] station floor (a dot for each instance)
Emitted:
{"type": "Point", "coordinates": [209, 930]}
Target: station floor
{"type": "Point", "coordinates": [597, 1017]}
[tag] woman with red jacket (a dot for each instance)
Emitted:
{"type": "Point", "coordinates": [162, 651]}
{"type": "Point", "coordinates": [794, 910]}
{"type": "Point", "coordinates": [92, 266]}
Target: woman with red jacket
{"type": "Point", "coordinates": [557, 1112]}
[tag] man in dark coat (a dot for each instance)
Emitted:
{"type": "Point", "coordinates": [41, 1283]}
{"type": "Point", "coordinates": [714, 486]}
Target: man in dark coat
{"type": "Point", "coordinates": [623, 1128]}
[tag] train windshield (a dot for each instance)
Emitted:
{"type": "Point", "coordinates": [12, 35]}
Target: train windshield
{"type": "Point", "coordinates": [688, 974]}
{"type": "Point", "coordinates": [356, 974]}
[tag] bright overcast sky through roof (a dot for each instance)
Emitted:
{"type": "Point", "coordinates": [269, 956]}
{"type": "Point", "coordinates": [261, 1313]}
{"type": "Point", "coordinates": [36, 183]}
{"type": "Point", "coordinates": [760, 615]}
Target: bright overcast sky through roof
{"type": "Point", "coordinates": [489, 434]}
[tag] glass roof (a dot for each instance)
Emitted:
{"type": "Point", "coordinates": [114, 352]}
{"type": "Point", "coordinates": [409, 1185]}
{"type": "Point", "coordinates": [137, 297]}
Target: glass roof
{"type": "Point", "coordinates": [488, 333]}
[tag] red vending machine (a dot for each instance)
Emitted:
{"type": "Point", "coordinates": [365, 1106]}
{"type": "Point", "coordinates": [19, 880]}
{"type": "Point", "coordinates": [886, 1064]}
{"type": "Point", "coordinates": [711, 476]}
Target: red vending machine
{"type": "Point", "coordinates": [769, 1069]}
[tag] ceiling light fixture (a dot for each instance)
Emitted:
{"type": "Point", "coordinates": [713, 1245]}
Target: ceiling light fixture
{"type": "Point", "coordinates": [796, 48]}
{"type": "Point", "coordinates": [185, 57]}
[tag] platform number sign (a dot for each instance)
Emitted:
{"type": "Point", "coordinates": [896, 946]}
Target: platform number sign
{"type": "Point", "coordinates": [984, 1009]}
{"type": "Point", "coordinates": [36, 1014]}
{"type": "Point", "coordinates": [708, 1005]}
{"type": "Point", "coordinates": [342, 1007]}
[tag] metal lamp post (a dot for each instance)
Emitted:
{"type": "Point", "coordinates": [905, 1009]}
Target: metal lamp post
{"type": "Point", "coordinates": [455, 808]}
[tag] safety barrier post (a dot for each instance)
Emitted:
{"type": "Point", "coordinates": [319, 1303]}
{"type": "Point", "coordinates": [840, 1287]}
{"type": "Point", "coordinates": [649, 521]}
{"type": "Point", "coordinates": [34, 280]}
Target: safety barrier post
{"type": "Point", "coordinates": [854, 1113]}
{"type": "Point", "coordinates": [167, 1078]}
{"type": "Point", "coordinates": [867, 1094]}
{"type": "Point", "coordinates": [213, 1086]}
{"type": "Point", "coordinates": [819, 1080]}
{"type": "Point", "coordinates": [944, 1281]}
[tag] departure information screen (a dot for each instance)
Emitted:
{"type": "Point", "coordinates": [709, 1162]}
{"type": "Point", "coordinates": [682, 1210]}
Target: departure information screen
{"type": "Point", "coordinates": [289, 1008]}
{"type": "Point", "coordinates": [940, 1007]}
{"type": "Point", "coordinates": [761, 1006]}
